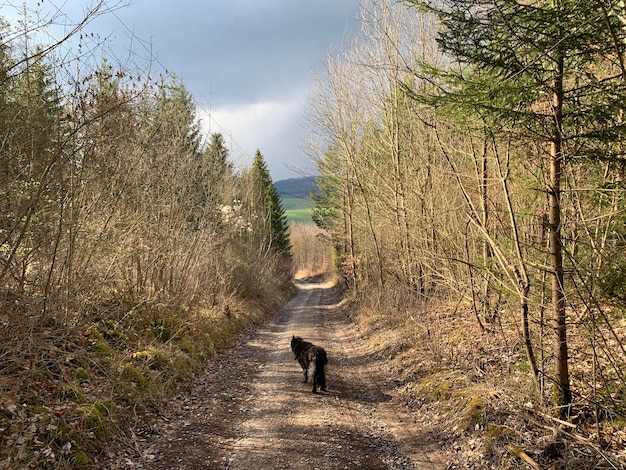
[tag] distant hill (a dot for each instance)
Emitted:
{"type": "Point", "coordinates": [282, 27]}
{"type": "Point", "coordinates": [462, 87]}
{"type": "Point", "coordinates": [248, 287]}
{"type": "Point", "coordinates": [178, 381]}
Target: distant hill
{"type": "Point", "coordinates": [299, 188]}
{"type": "Point", "coordinates": [295, 194]}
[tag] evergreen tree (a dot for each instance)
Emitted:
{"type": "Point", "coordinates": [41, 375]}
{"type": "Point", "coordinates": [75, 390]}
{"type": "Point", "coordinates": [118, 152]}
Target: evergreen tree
{"type": "Point", "coordinates": [32, 158]}
{"type": "Point", "coordinates": [269, 207]}
{"type": "Point", "coordinates": [172, 142]}
{"type": "Point", "coordinates": [217, 170]}
{"type": "Point", "coordinates": [175, 100]}
{"type": "Point", "coordinates": [212, 182]}
{"type": "Point", "coordinates": [550, 72]}
{"type": "Point", "coordinates": [216, 156]}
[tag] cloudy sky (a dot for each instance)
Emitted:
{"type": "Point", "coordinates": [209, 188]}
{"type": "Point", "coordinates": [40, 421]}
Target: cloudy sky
{"type": "Point", "coordinates": [248, 63]}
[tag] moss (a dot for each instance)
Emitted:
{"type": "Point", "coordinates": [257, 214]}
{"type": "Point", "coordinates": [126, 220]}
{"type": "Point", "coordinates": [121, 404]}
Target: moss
{"type": "Point", "coordinates": [495, 431]}
{"type": "Point", "coordinates": [473, 413]}
{"type": "Point", "coordinates": [73, 393]}
{"type": "Point", "coordinates": [165, 326]}
{"type": "Point", "coordinates": [619, 423]}
{"type": "Point", "coordinates": [100, 345]}
{"type": "Point", "coordinates": [93, 420]}
{"type": "Point", "coordinates": [154, 358]}
{"type": "Point", "coordinates": [133, 375]}
{"type": "Point", "coordinates": [187, 345]}
{"type": "Point", "coordinates": [40, 410]}
{"type": "Point", "coordinates": [88, 431]}
{"type": "Point", "coordinates": [491, 440]}
{"type": "Point", "coordinates": [143, 355]}
{"type": "Point", "coordinates": [438, 392]}
{"type": "Point", "coordinates": [80, 458]}
{"type": "Point", "coordinates": [522, 365]}
{"type": "Point", "coordinates": [33, 400]}
{"type": "Point", "coordinates": [82, 376]}
{"type": "Point", "coordinates": [63, 434]}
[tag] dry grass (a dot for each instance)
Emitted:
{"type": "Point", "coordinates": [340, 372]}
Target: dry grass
{"type": "Point", "coordinates": [476, 390]}
{"type": "Point", "coordinates": [71, 388]}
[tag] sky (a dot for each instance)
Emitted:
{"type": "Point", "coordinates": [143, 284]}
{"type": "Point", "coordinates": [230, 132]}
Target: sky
{"type": "Point", "coordinates": [249, 64]}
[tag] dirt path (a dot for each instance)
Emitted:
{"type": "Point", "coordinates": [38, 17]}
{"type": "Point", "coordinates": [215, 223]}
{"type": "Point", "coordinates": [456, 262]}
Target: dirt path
{"type": "Point", "coordinates": [250, 410]}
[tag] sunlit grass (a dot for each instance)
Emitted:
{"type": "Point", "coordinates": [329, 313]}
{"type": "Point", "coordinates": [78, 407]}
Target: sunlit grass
{"type": "Point", "coordinates": [298, 209]}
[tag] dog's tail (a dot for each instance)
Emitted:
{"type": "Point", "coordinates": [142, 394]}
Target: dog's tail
{"type": "Point", "coordinates": [320, 368]}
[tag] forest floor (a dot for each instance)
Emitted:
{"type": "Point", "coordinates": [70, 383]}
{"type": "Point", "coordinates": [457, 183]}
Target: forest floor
{"type": "Point", "coordinates": [250, 410]}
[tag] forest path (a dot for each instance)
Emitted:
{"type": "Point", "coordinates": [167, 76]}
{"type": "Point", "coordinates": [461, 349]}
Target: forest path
{"type": "Point", "coordinates": [250, 409]}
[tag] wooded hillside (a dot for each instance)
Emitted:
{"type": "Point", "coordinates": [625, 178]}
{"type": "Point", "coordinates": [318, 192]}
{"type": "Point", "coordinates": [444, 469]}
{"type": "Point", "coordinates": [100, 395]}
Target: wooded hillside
{"type": "Point", "coordinates": [301, 188]}
{"type": "Point", "coordinates": [130, 247]}
{"type": "Point", "coordinates": [472, 163]}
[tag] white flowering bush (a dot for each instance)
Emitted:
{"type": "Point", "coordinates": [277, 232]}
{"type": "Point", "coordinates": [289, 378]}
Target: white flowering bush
{"type": "Point", "coordinates": [232, 217]}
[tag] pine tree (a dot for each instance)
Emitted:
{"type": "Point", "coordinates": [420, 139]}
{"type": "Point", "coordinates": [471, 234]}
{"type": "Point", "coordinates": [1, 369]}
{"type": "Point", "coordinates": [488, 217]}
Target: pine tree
{"type": "Point", "coordinates": [217, 170]}
{"type": "Point", "coordinates": [546, 72]}
{"type": "Point", "coordinates": [212, 182]}
{"type": "Point", "coordinates": [31, 182]}
{"type": "Point", "coordinates": [269, 207]}
{"type": "Point", "coordinates": [217, 156]}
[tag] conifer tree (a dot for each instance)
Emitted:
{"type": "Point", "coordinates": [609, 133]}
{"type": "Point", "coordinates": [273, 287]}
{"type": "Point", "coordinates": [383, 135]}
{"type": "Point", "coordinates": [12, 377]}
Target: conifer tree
{"type": "Point", "coordinates": [269, 207]}
{"type": "Point", "coordinates": [217, 156]}
{"type": "Point", "coordinates": [546, 72]}
{"type": "Point", "coordinates": [32, 176]}
{"type": "Point", "coordinates": [217, 171]}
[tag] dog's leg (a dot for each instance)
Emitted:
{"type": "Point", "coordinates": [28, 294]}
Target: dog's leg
{"type": "Point", "coordinates": [319, 377]}
{"type": "Point", "coordinates": [314, 380]}
{"type": "Point", "coordinates": [305, 369]}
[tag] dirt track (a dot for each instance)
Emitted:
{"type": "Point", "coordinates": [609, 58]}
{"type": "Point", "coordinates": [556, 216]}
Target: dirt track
{"type": "Point", "coordinates": [250, 410]}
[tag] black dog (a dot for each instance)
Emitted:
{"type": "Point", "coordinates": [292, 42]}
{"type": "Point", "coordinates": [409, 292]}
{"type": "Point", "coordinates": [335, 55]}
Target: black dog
{"type": "Point", "coordinates": [307, 354]}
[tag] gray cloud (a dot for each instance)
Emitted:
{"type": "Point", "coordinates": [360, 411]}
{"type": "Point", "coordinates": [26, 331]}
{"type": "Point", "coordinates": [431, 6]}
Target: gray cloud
{"type": "Point", "coordinates": [241, 50]}
{"type": "Point", "coordinates": [239, 58]}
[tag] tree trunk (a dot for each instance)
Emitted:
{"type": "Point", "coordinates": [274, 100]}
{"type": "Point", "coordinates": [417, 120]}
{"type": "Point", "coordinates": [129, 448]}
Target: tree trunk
{"type": "Point", "coordinates": [349, 250]}
{"type": "Point", "coordinates": [562, 393]}
{"type": "Point", "coordinates": [528, 344]}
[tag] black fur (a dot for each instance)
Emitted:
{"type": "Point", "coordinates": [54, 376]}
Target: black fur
{"type": "Point", "coordinates": [307, 354]}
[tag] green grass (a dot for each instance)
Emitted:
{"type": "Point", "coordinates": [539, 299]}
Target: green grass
{"type": "Point", "coordinates": [298, 209]}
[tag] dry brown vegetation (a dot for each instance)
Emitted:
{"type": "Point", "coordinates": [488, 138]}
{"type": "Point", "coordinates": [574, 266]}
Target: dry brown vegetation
{"type": "Point", "coordinates": [129, 251]}
{"type": "Point", "coordinates": [312, 253]}
{"type": "Point", "coordinates": [129, 254]}
{"type": "Point", "coordinates": [475, 389]}
{"type": "Point", "coordinates": [483, 248]}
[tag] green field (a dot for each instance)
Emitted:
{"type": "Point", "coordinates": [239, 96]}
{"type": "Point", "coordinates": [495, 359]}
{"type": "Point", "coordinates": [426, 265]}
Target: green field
{"type": "Point", "coordinates": [297, 209]}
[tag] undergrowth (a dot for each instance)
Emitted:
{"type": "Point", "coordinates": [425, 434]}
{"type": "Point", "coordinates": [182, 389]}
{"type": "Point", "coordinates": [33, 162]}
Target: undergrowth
{"type": "Point", "coordinates": [474, 390]}
{"type": "Point", "coordinates": [71, 386]}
